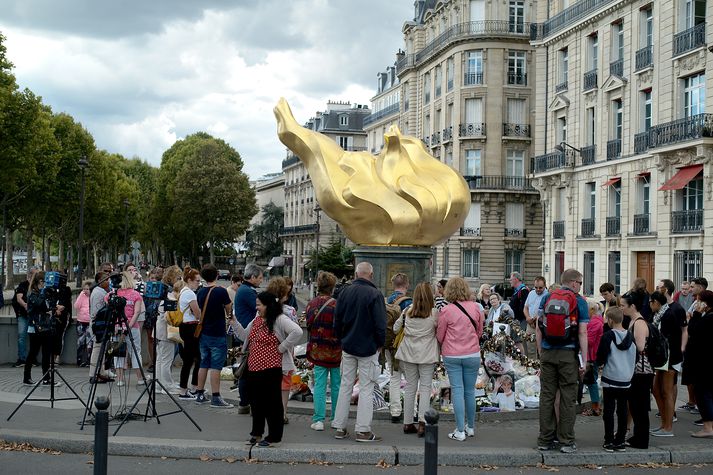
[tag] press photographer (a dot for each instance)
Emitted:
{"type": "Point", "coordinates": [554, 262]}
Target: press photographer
{"type": "Point", "coordinates": [42, 312]}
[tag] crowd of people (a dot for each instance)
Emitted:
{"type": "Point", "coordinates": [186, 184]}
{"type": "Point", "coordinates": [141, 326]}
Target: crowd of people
{"type": "Point", "coordinates": [355, 332]}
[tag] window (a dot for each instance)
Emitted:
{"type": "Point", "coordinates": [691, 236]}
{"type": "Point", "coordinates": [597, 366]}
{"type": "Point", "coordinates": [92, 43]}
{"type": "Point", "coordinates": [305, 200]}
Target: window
{"type": "Point", "coordinates": [617, 119]}
{"type": "Point", "coordinates": [439, 80]}
{"type": "Point", "coordinates": [559, 265]}
{"type": "Point", "coordinates": [473, 163]}
{"type": "Point", "coordinates": [471, 226]}
{"type": "Point", "coordinates": [449, 115]}
{"type": "Point", "coordinates": [513, 261]}
{"type": "Point", "coordinates": [343, 120]}
{"type": "Point", "coordinates": [614, 270]}
{"type": "Point", "coordinates": [590, 200]}
{"type": "Point", "coordinates": [593, 47]}
{"type": "Point", "coordinates": [514, 218]}
{"type": "Point", "coordinates": [564, 65]}
{"type": "Point", "coordinates": [471, 263]}
{"type": "Point", "coordinates": [515, 163]}
{"type": "Point", "coordinates": [345, 141]}
{"type": "Point", "coordinates": [562, 129]}
{"type": "Point", "coordinates": [687, 265]}
{"type": "Point", "coordinates": [646, 110]}
{"type": "Point", "coordinates": [561, 209]}
{"type": "Point", "coordinates": [477, 10]}
{"type": "Point", "coordinates": [516, 68]}
{"type": "Point", "coordinates": [449, 158]}
{"type": "Point", "coordinates": [516, 111]}
{"type": "Point", "coordinates": [474, 111]}
{"type": "Point", "coordinates": [692, 195]}
{"type": "Point", "coordinates": [618, 41]}
{"type": "Point", "coordinates": [474, 68]}
{"type": "Point", "coordinates": [646, 28]}
{"type": "Point", "coordinates": [437, 120]}
{"type": "Point", "coordinates": [644, 194]}
{"type": "Point", "coordinates": [615, 200]}
{"type": "Point", "coordinates": [427, 88]}
{"type": "Point", "coordinates": [450, 67]}
{"type": "Point", "coordinates": [516, 16]}
{"type": "Point", "coordinates": [407, 92]}
{"type": "Point", "coordinates": [588, 274]}
{"type": "Point", "coordinates": [694, 13]}
{"type": "Point", "coordinates": [694, 95]}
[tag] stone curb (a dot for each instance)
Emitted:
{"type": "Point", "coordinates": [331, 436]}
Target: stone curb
{"type": "Point", "coordinates": [367, 454]}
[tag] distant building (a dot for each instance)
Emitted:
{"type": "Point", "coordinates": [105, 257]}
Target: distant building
{"type": "Point", "coordinates": [343, 123]}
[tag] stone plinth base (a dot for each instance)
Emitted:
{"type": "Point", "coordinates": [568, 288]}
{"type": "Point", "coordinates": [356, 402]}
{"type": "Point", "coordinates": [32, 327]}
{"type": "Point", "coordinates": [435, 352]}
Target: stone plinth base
{"type": "Point", "coordinates": [415, 262]}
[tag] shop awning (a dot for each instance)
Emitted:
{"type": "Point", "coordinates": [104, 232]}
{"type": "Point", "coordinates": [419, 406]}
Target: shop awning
{"type": "Point", "coordinates": [682, 177]}
{"type": "Point", "coordinates": [277, 262]}
{"type": "Point", "coordinates": [611, 181]}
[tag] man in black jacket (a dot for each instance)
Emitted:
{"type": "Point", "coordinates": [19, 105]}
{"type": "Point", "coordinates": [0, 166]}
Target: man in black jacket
{"type": "Point", "coordinates": [360, 323]}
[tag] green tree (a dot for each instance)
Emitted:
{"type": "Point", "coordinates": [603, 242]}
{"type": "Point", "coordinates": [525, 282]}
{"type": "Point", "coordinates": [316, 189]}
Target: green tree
{"type": "Point", "coordinates": [335, 257]}
{"type": "Point", "coordinates": [264, 240]}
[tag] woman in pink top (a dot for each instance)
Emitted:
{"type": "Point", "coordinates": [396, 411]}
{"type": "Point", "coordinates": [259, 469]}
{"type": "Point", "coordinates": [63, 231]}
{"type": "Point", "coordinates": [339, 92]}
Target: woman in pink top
{"type": "Point", "coordinates": [133, 308]}
{"type": "Point", "coordinates": [84, 336]}
{"type": "Point", "coordinates": [460, 326]}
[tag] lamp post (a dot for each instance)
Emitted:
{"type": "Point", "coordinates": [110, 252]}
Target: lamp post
{"type": "Point", "coordinates": [126, 231]}
{"type": "Point", "coordinates": [83, 164]}
{"type": "Point", "coordinates": [317, 209]}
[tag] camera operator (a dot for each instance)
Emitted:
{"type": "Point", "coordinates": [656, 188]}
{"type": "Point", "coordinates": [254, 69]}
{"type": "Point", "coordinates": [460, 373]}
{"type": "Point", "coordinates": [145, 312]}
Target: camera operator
{"type": "Point", "coordinates": [64, 306]}
{"type": "Point", "coordinates": [133, 308]}
{"type": "Point", "coordinates": [41, 322]}
{"type": "Point", "coordinates": [96, 303]}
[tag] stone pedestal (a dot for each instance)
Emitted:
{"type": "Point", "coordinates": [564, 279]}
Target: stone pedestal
{"type": "Point", "coordinates": [415, 262]}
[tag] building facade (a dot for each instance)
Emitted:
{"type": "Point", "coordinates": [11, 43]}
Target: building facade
{"type": "Point", "coordinates": [306, 226]}
{"type": "Point", "coordinates": [624, 139]}
{"type": "Point", "coordinates": [466, 90]}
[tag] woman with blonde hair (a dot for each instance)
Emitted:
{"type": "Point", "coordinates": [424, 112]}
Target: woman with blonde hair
{"type": "Point", "coordinates": [418, 354]}
{"type": "Point", "coordinates": [483, 297]}
{"type": "Point", "coordinates": [460, 326]}
{"type": "Point", "coordinates": [132, 330]}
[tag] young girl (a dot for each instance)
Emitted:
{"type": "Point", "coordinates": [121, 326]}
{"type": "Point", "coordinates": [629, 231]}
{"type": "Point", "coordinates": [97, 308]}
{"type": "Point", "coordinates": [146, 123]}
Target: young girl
{"type": "Point", "coordinates": [505, 399]}
{"type": "Point", "coordinates": [595, 330]}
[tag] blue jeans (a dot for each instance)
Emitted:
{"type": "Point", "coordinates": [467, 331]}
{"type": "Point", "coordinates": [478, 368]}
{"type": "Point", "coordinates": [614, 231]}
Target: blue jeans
{"type": "Point", "coordinates": [320, 390]}
{"type": "Point", "coordinates": [462, 373]}
{"type": "Point", "coordinates": [213, 351]}
{"type": "Point", "coordinates": [594, 388]}
{"type": "Point", "coordinates": [22, 338]}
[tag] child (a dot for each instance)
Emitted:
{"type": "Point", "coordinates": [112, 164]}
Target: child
{"type": "Point", "coordinates": [616, 353]}
{"type": "Point", "coordinates": [594, 336]}
{"type": "Point", "coordinates": [505, 399]}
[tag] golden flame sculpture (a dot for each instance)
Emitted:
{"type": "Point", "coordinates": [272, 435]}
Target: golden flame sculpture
{"type": "Point", "coordinates": [403, 196]}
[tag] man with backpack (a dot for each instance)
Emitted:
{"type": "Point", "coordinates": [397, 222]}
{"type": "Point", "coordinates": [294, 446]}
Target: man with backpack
{"type": "Point", "coordinates": [19, 305]}
{"type": "Point", "coordinates": [396, 303]}
{"type": "Point", "coordinates": [562, 340]}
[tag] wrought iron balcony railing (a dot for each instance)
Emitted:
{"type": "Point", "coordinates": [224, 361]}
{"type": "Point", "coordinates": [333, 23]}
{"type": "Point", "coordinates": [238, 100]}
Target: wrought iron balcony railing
{"type": "Point", "coordinates": [641, 142]}
{"type": "Point", "coordinates": [590, 80]}
{"type": "Point", "coordinates": [516, 130]}
{"type": "Point", "coordinates": [385, 112]}
{"type": "Point", "coordinates": [471, 130]}
{"type": "Point", "coordinates": [613, 225]}
{"type": "Point", "coordinates": [447, 134]}
{"type": "Point", "coordinates": [641, 224]}
{"type": "Point", "coordinates": [499, 182]}
{"type": "Point", "coordinates": [589, 154]}
{"type": "Point", "coordinates": [515, 232]}
{"type": "Point", "coordinates": [681, 130]}
{"type": "Point", "coordinates": [613, 149]}
{"type": "Point", "coordinates": [616, 68]}
{"type": "Point", "coordinates": [435, 139]}
{"type": "Point", "coordinates": [688, 221]}
{"type": "Point", "coordinates": [561, 86]}
{"type": "Point", "coordinates": [558, 230]}
{"type": "Point", "coordinates": [644, 57]}
{"type": "Point", "coordinates": [470, 231]}
{"type": "Point", "coordinates": [519, 79]}
{"type": "Point", "coordinates": [565, 18]}
{"type": "Point", "coordinates": [553, 161]}
{"type": "Point", "coordinates": [472, 79]}
{"type": "Point", "coordinates": [588, 227]}
{"type": "Point", "coordinates": [689, 39]}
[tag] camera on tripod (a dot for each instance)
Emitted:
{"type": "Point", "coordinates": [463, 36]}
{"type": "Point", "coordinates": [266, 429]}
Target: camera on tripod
{"type": "Point", "coordinates": [54, 282]}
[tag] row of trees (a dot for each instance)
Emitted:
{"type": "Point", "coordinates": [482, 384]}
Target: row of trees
{"type": "Point", "coordinates": [196, 204]}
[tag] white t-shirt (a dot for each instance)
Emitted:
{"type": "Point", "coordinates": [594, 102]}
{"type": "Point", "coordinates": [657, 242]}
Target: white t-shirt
{"type": "Point", "coordinates": [184, 301]}
{"type": "Point", "coordinates": [533, 303]}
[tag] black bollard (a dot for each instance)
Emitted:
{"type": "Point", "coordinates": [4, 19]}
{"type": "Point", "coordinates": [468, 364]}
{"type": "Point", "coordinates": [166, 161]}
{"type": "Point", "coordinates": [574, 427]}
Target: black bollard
{"type": "Point", "coordinates": [101, 435]}
{"type": "Point", "coordinates": [430, 454]}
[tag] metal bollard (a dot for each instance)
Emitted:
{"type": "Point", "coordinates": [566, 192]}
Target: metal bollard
{"type": "Point", "coordinates": [101, 435]}
{"type": "Point", "coordinates": [430, 454]}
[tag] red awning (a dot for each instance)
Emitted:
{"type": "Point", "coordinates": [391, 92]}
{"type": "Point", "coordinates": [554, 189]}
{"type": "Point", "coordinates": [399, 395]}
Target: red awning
{"type": "Point", "coordinates": [643, 175]}
{"type": "Point", "coordinates": [611, 181]}
{"type": "Point", "coordinates": [682, 177]}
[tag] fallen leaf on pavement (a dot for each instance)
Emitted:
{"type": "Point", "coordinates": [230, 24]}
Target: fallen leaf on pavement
{"type": "Point", "coordinates": [230, 459]}
{"type": "Point", "coordinates": [204, 458]}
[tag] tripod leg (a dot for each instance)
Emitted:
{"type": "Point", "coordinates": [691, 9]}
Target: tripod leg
{"type": "Point", "coordinates": [37, 384]}
{"type": "Point", "coordinates": [56, 371]}
{"type": "Point", "coordinates": [95, 379]}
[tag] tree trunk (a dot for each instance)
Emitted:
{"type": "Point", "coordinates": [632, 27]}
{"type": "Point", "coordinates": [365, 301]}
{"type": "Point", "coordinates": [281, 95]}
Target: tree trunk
{"type": "Point", "coordinates": [30, 248]}
{"type": "Point", "coordinates": [212, 254]}
{"type": "Point", "coordinates": [61, 257]}
{"type": "Point", "coordinates": [9, 251]}
{"type": "Point", "coordinates": [95, 251]}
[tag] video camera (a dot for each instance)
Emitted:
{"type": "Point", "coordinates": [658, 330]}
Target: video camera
{"type": "Point", "coordinates": [155, 290]}
{"type": "Point", "coordinates": [55, 280]}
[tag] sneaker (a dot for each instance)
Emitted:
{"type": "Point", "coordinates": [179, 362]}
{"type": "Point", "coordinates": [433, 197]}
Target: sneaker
{"type": "Point", "coordinates": [568, 449]}
{"type": "Point", "coordinates": [698, 422]}
{"type": "Point", "coordinates": [319, 425]}
{"type": "Point", "coordinates": [160, 391]}
{"type": "Point", "coordinates": [333, 425]}
{"type": "Point", "coordinates": [201, 399]}
{"type": "Point", "coordinates": [243, 409]}
{"type": "Point", "coordinates": [694, 411]}
{"type": "Point", "coordinates": [110, 374]}
{"type": "Point", "coordinates": [120, 383]}
{"type": "Point", "coordinates": [367, 437]}
{"type": "Point", "coordinates": [619, 448]}
{"type": "Point", "coordinates": [266, 444]}
{"type": "Point", "coordinates": [457, 435]}
{"type": "Point", "coordinates": [609, 447]}
{"type": "Point", "coordinates": [675, 417]}
{"type": "Point", "coordinates": [662, 433]}
{"type": "Point", "coordinates": [28, 382]}
{"type": "Point", "coordinates": [187, 396]}
{"type": "Point", "coordinates": [253, 440]}
{"type": "Point", "coordinates": [48, 382]}
{"type": "Point", "coordinates": [220, 402]}
{"type": "Point", "coordinates": [19, 364]}
{"type": "Point", "coordinates": [469, 431]}
{"type": "Point", "coordinates": [547, 447]}
{"type": "Point", "coordinates": [341, 434]}
{"type": "Point", "coordinates": [687, 407]}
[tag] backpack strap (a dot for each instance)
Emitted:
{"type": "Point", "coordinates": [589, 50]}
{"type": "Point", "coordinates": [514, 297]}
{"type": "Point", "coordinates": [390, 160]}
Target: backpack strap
{"type": "Point", "coordinates": [475, 327]}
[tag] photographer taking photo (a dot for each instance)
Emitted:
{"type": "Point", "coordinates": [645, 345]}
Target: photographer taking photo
{"type": "Point", "coordinates": [41, 314]}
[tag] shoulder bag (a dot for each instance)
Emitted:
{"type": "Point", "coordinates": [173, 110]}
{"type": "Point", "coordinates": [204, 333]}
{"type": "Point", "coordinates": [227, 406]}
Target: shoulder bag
{"type": "Point", "coordinates": [475, 327]}
{"type": "Point", "coordinates": [199, 327]}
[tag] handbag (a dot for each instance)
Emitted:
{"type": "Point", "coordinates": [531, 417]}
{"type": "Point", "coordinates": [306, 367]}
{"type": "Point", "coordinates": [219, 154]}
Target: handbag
{"type": "Point", "coordinates": [199, 327]}
{"type": "Point", "coordinates": [241, 368]}
{"type": "Point", "coordinates": [400, 335]}
{"type": "Point", "coordinates": [173, 334]}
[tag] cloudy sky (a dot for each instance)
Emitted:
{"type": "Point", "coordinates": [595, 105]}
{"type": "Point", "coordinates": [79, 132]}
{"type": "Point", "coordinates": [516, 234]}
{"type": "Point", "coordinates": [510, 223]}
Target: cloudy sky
{"type": "Point", "coordinates": [140, 74]}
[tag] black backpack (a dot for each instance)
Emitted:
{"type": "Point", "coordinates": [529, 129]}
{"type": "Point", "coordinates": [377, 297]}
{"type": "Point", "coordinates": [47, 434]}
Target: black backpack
{"type": "Point", "coordinates": [656, 348]}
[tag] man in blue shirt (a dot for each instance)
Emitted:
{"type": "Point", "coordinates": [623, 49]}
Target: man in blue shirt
{"type": "Point", "coordinates": [561, 366]}
{"type": "Point", "coordinates": [245, 310]}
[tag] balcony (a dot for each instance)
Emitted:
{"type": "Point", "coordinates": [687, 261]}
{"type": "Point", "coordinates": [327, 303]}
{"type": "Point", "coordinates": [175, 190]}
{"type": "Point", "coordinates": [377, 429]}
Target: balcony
{"type": "Point", "coordinates": [590, 80]}
{"type": "Point", "coordinates": [447, 134]}
{"type": "Point", "coordinates": [295, 230]}
{"type": "Point", "coordinates": [472, 79]}
{"type": "Point", "coordinates": [613, 225]}
{"type": "Point", "coordinates": [589, 154]}
{"type": "Point", "coordinates": [613, 149]}
{"type": "Point", "coordinates": [689, 39]}
{"type": "Point", "coordinates": [516, 130]}
{"type": "Point", "coordinates": [566, 18]}
{"type": "Point", "coordinates": [558, 230]}
{"type": "Point", "coordinates": [681, 130]}
{"type": "Point", "coordinates": [464, 31]}
{"type": "Point", "coordinates": [426, 141]}
{"type": "Point", "coordinates": [385, 112]}
{"type": "Point", "coordinates": [553, 161]}
{"type": "Point", "coordinates": [516, 233]}
{"type": "Point", "coordinates": [471, 130]}
{"type": "Point", "coordinates": [435, 139]}
{"type": "Point", "coordinates": [588, 227]}
{"type": "Point", "coordinates": [616, 68]}
{"type": "Point", "coordinates": [689, 221]}
{"type": "Point", "coordinates": [499, 182]}
{"type": "Point", "coordinates": [561, 87]}
{"type": "Point", "coordinates": [641, 142]}
{"type": "Point", "coordinates": [518, 79]}
{"type": "Point", "coordinates": [644, 58]}
{"type": "Point", "coordinates": [472, 232]}
{"type": "Point", "coordinates": [641, 224]}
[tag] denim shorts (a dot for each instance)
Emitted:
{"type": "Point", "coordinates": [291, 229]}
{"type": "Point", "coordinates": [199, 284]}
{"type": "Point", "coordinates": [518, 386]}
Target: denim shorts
{"type": "Point", "coordinates": [214, 350]}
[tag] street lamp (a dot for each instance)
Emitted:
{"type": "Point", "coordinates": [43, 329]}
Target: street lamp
{"type": "Point", "coordinates": [83, 164]}
{"type": "Point", "coordinates": [126, 231]}
{"type": "Point", "coordinates": [317, 209]}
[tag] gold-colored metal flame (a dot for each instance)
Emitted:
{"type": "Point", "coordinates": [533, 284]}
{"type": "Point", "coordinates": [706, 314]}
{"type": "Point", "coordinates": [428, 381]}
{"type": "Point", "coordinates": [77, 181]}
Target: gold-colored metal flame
{"type": "Point", "coordinates": [403, 196]}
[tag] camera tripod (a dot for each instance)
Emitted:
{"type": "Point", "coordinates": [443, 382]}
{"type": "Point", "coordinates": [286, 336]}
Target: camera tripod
{"type": "Point", "coordinates": [50, 376]}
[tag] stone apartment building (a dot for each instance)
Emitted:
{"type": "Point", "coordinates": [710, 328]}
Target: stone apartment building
{"type": "Point", "coordinates": [624, 139]}
{"type": "Point", "coordinates": [464, 85]}
{"type": "Point", "coordinates": [306, 226]}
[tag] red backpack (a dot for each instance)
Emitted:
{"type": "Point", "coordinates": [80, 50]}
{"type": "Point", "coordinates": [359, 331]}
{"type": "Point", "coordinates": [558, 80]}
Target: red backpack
{"type": "Point", "coordinates": [559, 322]}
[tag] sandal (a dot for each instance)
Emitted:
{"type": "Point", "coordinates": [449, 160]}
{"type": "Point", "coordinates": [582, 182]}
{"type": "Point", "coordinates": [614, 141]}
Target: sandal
{"type": "Point", "coordinates": [592, 412]}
